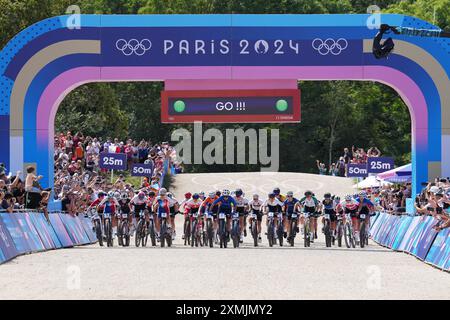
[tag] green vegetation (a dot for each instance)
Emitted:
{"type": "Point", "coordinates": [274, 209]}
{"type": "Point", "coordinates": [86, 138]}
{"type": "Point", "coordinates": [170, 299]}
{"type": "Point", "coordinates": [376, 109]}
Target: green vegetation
{"type": "Point", "coordinates": [335, 114]}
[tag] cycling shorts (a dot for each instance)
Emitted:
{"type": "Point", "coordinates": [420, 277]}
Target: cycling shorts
{"type": "Point", "coordinates": [259, 215]}
{"type": "Point", "coordinates": [138, 208]}
{"type": "Point", "coordinates": [332, 213]}
{"type": "Point", "coordinates": [353, 213]}
{"type": "Point", "coordinates": [310, 210]}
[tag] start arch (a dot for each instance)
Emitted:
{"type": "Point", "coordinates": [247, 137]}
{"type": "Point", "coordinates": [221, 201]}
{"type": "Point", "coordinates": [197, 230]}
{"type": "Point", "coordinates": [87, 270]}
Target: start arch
{"type": "Point", "coordinates": [46, 61]}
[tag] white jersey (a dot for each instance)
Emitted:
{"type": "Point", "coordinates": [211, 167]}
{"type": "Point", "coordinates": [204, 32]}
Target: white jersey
{"type": "Point", "coordinates": [241, 202]}
{"type": "Point", "coordinates": [256, 204]}
{"type": "Point", "coordinates": [272, 203]}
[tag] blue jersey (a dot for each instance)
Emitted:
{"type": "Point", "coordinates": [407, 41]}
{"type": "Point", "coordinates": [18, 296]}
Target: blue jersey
{"type": "Point", "coordinates": [224, 204]}
{"type": "Point", "coordinates": [366, 202]}
{"type": "Point", "coordinates": [289, 205]}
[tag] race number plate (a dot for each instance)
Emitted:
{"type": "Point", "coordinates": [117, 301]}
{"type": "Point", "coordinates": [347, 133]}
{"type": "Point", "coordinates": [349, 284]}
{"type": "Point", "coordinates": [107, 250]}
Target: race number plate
{"type": "Point", "coordinates": [236, 215]}
{"type": "Point", "coordinates": [294, 215]}
{"type": "Point", "coordinates": [271, 214]}
{"type": "Point", "coordinates": [254, 216]}
{"type": "Point", "coordinates": [163, 215]}
{"type": "Point", "coordinates": [362, 216]}
{"type": "Point", "coordinates": [327, 216]}
{"type": "Point", "coordinates": [106, 215]}
{"type": "Point", "coordinates": [222, 216]}
{"type": "Point", "coordinates": [124, 216]}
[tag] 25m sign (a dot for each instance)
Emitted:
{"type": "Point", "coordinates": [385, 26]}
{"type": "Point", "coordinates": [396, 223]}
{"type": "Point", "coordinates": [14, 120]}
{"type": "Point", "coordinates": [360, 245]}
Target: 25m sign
{"type": "Point", "coordinates": [379, 165]}
{"type": "Point", "coordinates": [113, 161]}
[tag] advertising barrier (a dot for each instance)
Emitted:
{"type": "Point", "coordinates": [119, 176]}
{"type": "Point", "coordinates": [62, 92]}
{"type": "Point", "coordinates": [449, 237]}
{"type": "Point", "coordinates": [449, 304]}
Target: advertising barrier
{"type": "Point", "coordinates": [29, 232]}
{"type": "Point", "coordinates": [22, 233]}
{"type": "Point", "coordinates": [7, 246]}
{"type": "Point", "coordinates": [46, 231]}
{"type": "Point", "coordinates": [61, 231]}
{"type": "Point", "coordinates": [413, 235]}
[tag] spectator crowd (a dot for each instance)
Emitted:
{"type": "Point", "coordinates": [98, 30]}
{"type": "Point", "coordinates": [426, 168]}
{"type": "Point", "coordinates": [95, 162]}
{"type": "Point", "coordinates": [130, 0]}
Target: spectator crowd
{"type": "Point", "coordinates": [357, 156]}
{"type": "Point", "coordinates": [78, 177]}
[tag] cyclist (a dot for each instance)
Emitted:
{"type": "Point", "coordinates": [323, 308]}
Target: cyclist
{"type": "Point", "coordinates": [206, 206]}
{"type": "Point", "coordinates": [125, 206]}
{"type": "Point", "coordinates": [310, 205]}
{"type": "Point", "coordinates": [226, 204]}
{"type": "Point", "coordinates": [366, 207]}
{"type": "Point", "coordinates": [162, 205]}
{"type": "Point", "coordinates": [192, 207]}
{"type": "Point", "coordinates": [289, 209]}
{"type": "Point", "coordinates": [272, 204]}
{"type": "Point", "coordinates": [139, 204]}
{"type": "Point", "coordinates": [174, 207]}
{"type": "Point", "coordinates": [255, 206]}
{"type": "Point", "coordinates": [350, 207]}
{"type": "Point", "coordinates": [242, 209]}
{"type": "Point", "coordinates": [110, 205]}
{"type": "Point", "coordinates": [202, 195]}
{"type": "Point", "coordinates": [329, 208]}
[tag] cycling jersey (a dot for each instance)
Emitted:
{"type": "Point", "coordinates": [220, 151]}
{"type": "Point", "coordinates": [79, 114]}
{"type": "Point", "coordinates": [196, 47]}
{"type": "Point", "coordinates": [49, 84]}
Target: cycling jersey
{"type": "Point", "coordinates": [192, 206]}
{"type": "Point", "coordinates": [311, 202]}
{"type": "Point", "coordinates": [241, 203]}
{"type": "Point", "coordinates": [207, 203]}
{"type": "Point", "coordinates": [366, 204]}
{"type": "Point", "coordinates": [289, 205]}
{"type": "Point", "coordinates": [125, 206]}
{"type": "Point", "coordinates": [110, 207]}
{"type": "Point", "coordinates": [225, 204]}
{"type": "Point", "coordinates": [328, 204]}
{"type": "Point", "coordinates": [273, 205]}
{"type": "Point", "coordinates": [163, 206]}
{"type": "Point", "coordinates": [255, 205]}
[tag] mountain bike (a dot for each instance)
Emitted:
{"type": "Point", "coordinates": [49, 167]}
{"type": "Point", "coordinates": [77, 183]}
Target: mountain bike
{"type": "Point", "coordinates": [196, 232]}
{"type": "Point", "coordinates": [166, 233]}
{"type": "Point", "coordinates": [123, 230]}
{"type": "Point", "coordinates": [280, 229]}
{"type": "Point", "coordinates": [235, 230]}
{"type": "Point", "coordinates": [141, 235]}
{"type": "Point", "coordinates": [349, 235]}
{"type": "Point", "coordinates": [271, 229]}
{"type": "Point", "coordinates": [363, 236]}
{"type": "Point", "coordinates": [97, 226]}
{"type": "Point", "coordinates": [327, 229]}
{"type": "Point", "coordinates": [293, 227]}
{"type": "Point", "coordinates": [254, 228]}
{"type": "Point", "coordinates": [340, 229]}
{"type": "Point", "coordinates": [209, 229]}
{"type": "Point", "coordinates": [152, 229]}
{"type": "Point", "coordinates": [306, 230]}
{"type": "Point", "coordinates": [187, 230]}
{"type": "Point", "coordinates": [107, 228]}
{"type": "Point", "coordinates": [223, 230]}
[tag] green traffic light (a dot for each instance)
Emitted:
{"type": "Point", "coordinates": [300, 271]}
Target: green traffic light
{"type": "Point", "coordinates": [282, 105]}
{"type": "Point", "coordinates": [179, 106]}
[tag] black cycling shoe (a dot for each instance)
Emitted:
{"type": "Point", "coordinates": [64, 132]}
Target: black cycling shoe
{"type": "Point", "coordinates": [245, 232]}
{"type": "Point", "coordinates": [298, 229]}
{"type": "Point", "coordinates": [285, 234]}
{"type": "Point", "coordinates": [315, 235]}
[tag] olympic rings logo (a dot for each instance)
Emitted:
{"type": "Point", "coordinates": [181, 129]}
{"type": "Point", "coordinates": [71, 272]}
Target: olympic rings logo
{"type": "Point", "coordinates": [325, 47]}
{"type": "Point", "coordinates": [133, 46]}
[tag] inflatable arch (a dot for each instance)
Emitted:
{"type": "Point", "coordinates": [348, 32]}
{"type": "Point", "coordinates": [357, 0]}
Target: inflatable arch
{"type": "Point", "coordinates": [46, 61]}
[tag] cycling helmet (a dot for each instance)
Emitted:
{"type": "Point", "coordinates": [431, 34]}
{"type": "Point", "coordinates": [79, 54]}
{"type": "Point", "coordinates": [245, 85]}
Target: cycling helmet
{"type": "Point", "coordinates": [163, 192]}
{"type": "Point", "coordinates": [141, 195]}
{"type": "Point", "coordinates": [196, 196]}
{"type": "Point", "coordinates": [188, 195]}
{"type": "Point", "coordinates": [101, 194]}
{"type": "Point", "coordinates": [256, 196]}
{"type": "Point", "coordinates": [226, 193]}
{"type": "Point", "coordinates": [348, 197]}
{"type": "Point", "coordinates": [212, 194]}
{"type": "Point", "coordinates": [124, 196]}
{"type": "Point", "coordinates": [110, 194]}
{"type": "Point", "coordinates": [290, 194]}
{"type": "Point", "coordinates": [151, 194]}
{"type": "Point", "coordinates": [362, 194]}
{"type": "Point", "coordinates": [327, 195]}
{"type": "Point", "coordinates": [218, 193]}
{"type": "Point", "coordinates": [277, 191]}
{"type": "Point", "coordinates": [271, 195]}
{"type": "Point", "coordinates": [337, 198]}
{"type": "Point", "coordinates": [170, 195]}
{"type": "Point", "coordinates": [239, 192]}
{"type": "Point", "coordinates": [202, 194]}
{"type": "Point", "coordinates": [117, 195]}
{"type": "Point", "coordinates": [308, 193]}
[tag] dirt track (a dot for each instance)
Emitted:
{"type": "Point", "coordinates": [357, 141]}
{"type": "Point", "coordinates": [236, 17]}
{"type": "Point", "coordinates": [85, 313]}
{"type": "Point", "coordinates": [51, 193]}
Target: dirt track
{"type": "Point", "coordinates": [92, 272]}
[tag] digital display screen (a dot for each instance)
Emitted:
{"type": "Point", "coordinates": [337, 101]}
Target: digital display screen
{"type": "Point", "coordinates": [231, 106]}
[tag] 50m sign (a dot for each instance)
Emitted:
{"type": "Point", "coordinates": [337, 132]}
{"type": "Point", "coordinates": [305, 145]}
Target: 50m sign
{"type": "Point", "coordinates": [113, 161]}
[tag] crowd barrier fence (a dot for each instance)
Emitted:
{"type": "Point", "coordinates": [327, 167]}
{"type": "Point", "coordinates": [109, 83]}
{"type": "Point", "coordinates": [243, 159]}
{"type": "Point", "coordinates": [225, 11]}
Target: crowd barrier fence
{"type": "Point", "coordinates": [413, 235]}
{"type": "Point", "coordinates": [29, 232]}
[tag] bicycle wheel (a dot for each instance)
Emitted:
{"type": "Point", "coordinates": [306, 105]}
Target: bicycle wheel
{"type": "Point", "coordinates": [137, 235]}
{"type": "Point", "coordinates": [327, 232]}
{"type": "Point", "coordinates": [108, 233]}
{"type": "Point", "coordinates": [194, 234]}
{"type": "Point", "coordinates": [235, 234]}
{"type": "Point", "coordinates": [144, 234]}
{"type": "Point", "coordinates": [126, 234]}
{"type": "Point", "coordinates": [339, 231]}
{"type": "Point", "coordinates": [152, 233]}
{"type": "Point", "coordinates": [293, 233]}
{"type": "Point", "coordinates": [306, 234]}
{"type": "Point", "coordinates": [280, 233]}
{"type": "Point", "coordinates": [348, 235]}
{"type": "Point", "coordinates": [187, 232]}
{"type": "Point", "coordinates": [98, 232]}
{"type": "Point", "coordinates": [362, 234]}
{"type": "Point", "coordinates": [119, 234]}
{"type": "Point", "coordinates": [163, 234]}
{"type": "Point", "coordinates": [255, 233]}
{"type": "Point", "coordinates": [210, 233]}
